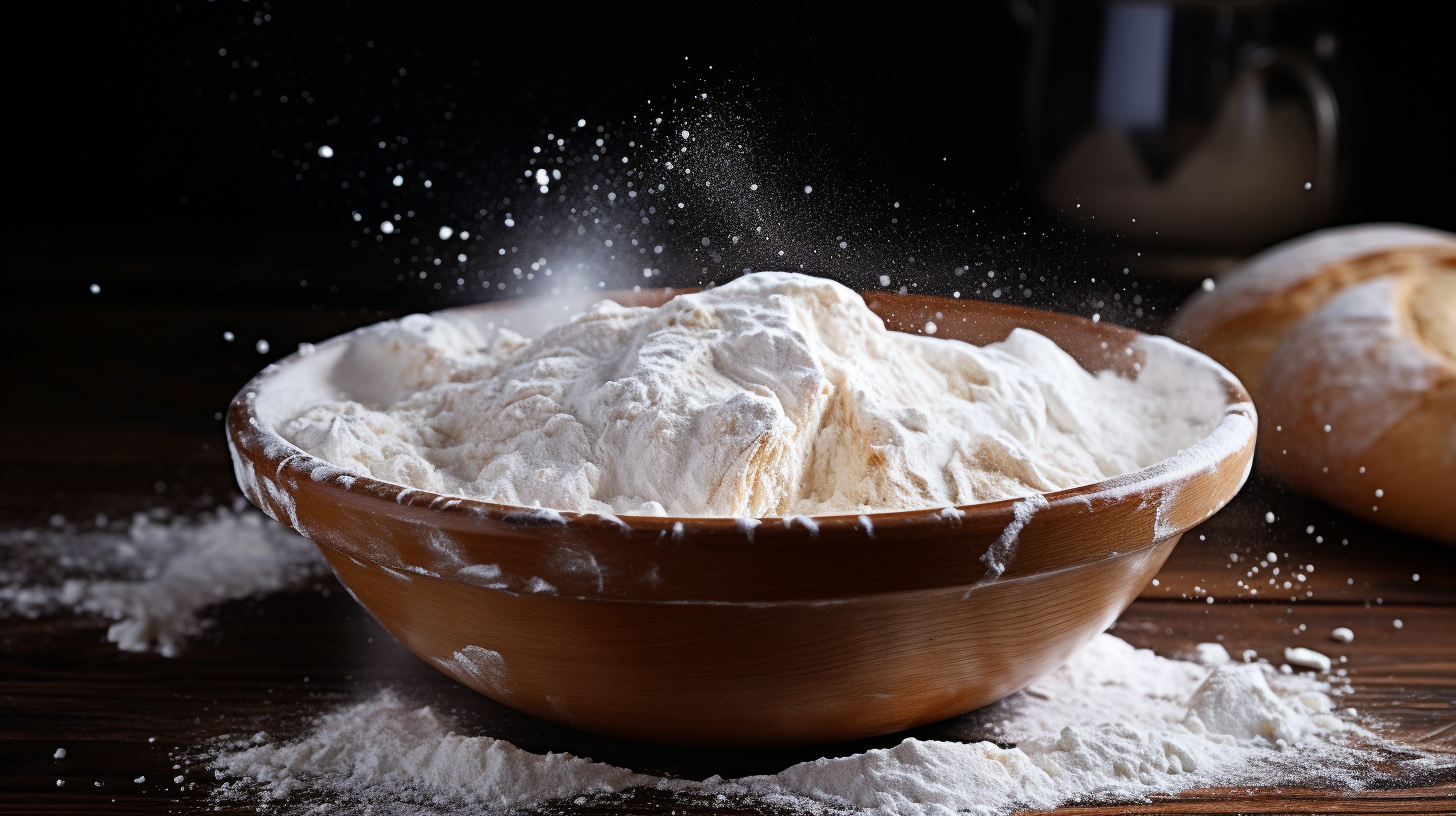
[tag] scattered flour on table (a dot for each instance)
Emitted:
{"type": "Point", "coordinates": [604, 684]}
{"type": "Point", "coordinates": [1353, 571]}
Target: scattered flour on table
{"type": "Point", "coordinates": [776, 394]}
{"type": "Point", "coordinates": [1114, 724]}
{"type": "Point", "coordinates": [385, 743]}
{"type": "Point", "coordinates": [155, 578]}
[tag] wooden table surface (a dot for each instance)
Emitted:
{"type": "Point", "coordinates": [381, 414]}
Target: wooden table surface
{"type": "Point", "coordinates": [117, 414]}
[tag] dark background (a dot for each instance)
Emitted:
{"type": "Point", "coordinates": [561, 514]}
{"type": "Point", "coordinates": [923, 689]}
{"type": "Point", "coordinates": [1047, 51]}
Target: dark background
{"type": "Point", "coordinates": [129, 165]}
{"type": "Point", "coordinates": [111, 122]}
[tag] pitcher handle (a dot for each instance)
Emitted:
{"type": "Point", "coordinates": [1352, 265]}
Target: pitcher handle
{"type": "Point", "coordinates": [1326, 112]}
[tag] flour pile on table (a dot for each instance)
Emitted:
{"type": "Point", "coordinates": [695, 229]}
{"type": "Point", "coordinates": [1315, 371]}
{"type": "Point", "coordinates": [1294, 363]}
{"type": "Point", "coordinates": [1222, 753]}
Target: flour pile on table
{"type": "Point", "coordinates": [154, 578]}
{"type": "Point", "coordinates": [775, 394]}
{"type": "Point", "coordinates": [1113, 724]}
{"type": "Point", "coordinates": [385, 743]}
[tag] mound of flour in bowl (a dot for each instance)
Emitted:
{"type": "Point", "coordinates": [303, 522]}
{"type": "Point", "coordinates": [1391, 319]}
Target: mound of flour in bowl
{"type": "Point", "coordinates": [775, 394]}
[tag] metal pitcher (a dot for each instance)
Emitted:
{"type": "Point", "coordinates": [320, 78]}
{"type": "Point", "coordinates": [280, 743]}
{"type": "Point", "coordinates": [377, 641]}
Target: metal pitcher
{"type": "Point", "coordinates": [1188, 129]}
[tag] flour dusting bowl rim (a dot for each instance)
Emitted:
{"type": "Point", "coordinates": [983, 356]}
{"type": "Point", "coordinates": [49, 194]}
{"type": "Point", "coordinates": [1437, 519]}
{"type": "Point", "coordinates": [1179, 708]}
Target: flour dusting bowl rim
{"type": "Point", "coordinates": [1147, 492]}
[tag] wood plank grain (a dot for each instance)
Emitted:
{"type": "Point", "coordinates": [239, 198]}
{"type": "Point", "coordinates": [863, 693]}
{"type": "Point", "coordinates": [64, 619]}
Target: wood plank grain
{"type": "Point", "coordinates": [1323, 553]}
{"type": "Point", "coordinates": [1439, 798]}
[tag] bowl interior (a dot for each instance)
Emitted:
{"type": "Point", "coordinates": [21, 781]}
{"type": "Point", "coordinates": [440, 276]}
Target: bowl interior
{"type": "Point", "coordinates": [740, 560]}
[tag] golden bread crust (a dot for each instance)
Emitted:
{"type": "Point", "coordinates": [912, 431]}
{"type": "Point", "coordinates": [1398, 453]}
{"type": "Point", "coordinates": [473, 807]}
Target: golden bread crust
{"type": "Point", "coordinates": [1360, 408]}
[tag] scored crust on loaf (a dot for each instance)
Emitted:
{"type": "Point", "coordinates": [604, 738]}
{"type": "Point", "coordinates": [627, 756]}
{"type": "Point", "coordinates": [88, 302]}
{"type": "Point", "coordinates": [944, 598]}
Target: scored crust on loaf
{"type": "Point", "coordinates": [1360, 408]}
{"type": "Point", "coordinates": [1433, 315]}
{"type": "Point", "coordinates": [1258, 302]}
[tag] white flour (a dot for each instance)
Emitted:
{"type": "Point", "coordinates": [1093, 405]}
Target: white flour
{"type": "Point", "coordinates": [777, 394]}
{"type": "Point", "coordinates": [155, 578]}
{"type": "Point", "coordinates": [386, 743]}
{"type": "Point", "coordinates": [1113, 724]}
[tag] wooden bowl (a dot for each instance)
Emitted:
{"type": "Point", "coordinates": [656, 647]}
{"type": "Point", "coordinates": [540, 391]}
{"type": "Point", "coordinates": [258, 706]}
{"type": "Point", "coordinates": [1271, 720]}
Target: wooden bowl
{"type": "Point", "coordinates": [708, 631]}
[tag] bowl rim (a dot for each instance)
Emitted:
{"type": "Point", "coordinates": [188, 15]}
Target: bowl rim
{"type": "Point", "coordinates": [1236, 428]}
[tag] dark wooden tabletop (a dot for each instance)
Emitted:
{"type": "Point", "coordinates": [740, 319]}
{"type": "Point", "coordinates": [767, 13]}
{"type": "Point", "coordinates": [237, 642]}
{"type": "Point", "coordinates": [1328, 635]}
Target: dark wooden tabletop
{"type": "Point", "coordinates": [110, 407]}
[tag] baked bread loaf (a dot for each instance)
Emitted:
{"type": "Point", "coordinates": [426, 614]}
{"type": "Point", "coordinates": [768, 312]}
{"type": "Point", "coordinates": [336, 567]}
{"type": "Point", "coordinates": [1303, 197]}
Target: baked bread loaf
{"type": "Point", "coordinates": [1346, 338]}
{"type": "Point", "coordinates": [1258, 302]}
{"type": "Point", "coordinates": [1359, 403]}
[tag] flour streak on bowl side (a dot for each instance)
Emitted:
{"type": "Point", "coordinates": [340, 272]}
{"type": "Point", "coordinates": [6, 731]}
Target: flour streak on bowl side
{"type": "Point", "coordinates": [718, 631]}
